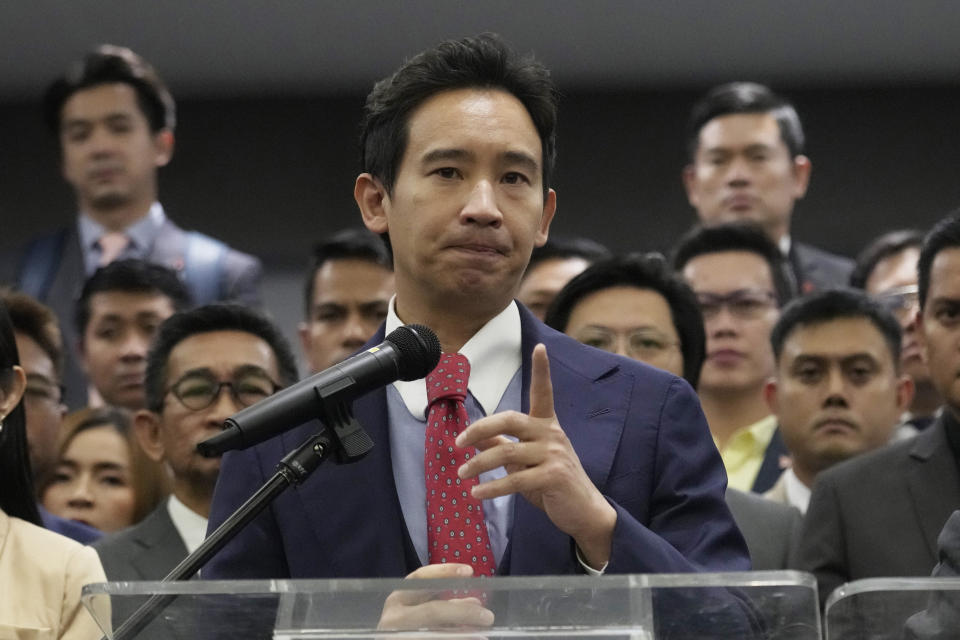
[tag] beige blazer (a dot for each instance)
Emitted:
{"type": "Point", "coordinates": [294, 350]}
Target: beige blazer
{"type": "Point", "coordinates": [41, 574]}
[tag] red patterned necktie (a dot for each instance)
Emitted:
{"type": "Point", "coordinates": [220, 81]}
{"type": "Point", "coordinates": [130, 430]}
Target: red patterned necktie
{"type": "Point", "coordinates": [456, 529]}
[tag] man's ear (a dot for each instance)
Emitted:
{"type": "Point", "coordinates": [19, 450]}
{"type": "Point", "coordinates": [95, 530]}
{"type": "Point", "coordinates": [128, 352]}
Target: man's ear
{"type": "Point", "coordinates": [546, 218]}
{"type": "Point", "coordinates": [689, 177]}
{"type": "Point", "coordinates": [373, 200]}
{"type": "Point", "coordinates": [770, 395]}
{"type": "Point", "coordinates": [146, 425]}
{"type": "Point", "coordinates": [163, 143]}
{"type": "Point", "coordinates": [801, 174]}
{"type": "Point", "coordinates": [905, 390]}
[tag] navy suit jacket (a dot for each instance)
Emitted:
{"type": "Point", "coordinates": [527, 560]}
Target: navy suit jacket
{"type": "Point", "coordinates": [641, 438]}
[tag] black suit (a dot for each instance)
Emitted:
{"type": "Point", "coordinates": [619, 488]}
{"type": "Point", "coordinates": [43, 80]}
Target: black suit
{"type": "Point", "coordinates": [817, 269]}
{"type": "Point", "coordinates": [879, 515]}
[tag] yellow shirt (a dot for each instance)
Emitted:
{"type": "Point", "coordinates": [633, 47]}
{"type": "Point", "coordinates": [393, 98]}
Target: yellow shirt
{"type": "Point", "coordinates": [743, 455]}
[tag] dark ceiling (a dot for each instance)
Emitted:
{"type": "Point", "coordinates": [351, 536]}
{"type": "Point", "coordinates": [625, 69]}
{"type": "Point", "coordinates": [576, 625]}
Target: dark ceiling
{"type": "Point", "coordinates": [236, 47]}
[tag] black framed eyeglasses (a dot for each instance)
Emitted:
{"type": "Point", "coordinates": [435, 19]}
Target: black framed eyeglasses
{"type": "Point", "coordinates": [901, 299]}
{"type": "Point", "coordinates": [743, 303]}
{"type": "Point", "coordinates": [197, 391]}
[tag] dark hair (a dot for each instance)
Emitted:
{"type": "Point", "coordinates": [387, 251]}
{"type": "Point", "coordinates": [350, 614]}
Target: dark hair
{"type": "Point", "coordinates": [563, 248]}
{"type": "Point", "coordinates": [881, 248]}
{"type": "Point", "coordinates": [109, 64]}
{"type": "Point", "coordinates": [832, 304]}
{"type": "Point", "coordinates": [17, 495]}
{"type": "Point", "coordinates": [38, 322]}
{"type": "Point", "coordinates": [346, 244]}
{"type": "Point", "coordinates": [745, 97]}
{"type": "Point", "coordinates": [738, 236]}
{"type": "Point", "coordinates": [648, 271]}
{"type": "Point", "coordinates": [944, 235]}
{"type": "Point", "coordinates": [131, 276]}
{"type": "Point", "coordinates": [484, 62]}
{"type": "Point", "coordinates": [205, 319]}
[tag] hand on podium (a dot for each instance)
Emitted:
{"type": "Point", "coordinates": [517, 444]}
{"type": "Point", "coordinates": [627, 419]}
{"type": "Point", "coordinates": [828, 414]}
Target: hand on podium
{"type": "Point", "coordinates": [409, 609]}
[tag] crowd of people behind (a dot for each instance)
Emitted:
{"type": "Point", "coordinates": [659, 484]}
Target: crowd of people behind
{"type": "Point", "coordinates": [829, 385]}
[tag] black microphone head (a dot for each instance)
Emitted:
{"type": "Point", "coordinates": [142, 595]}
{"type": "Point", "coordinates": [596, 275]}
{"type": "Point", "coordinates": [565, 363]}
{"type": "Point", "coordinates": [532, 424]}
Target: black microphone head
{"type": "Point", "coordinates": [419, 350]}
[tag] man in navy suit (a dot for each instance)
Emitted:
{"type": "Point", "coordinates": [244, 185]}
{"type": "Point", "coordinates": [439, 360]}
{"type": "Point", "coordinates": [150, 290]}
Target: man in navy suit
{"type": "Point", "coordinates": [114, 120]}
{"type": "Point", "coordinates": [587, 462]}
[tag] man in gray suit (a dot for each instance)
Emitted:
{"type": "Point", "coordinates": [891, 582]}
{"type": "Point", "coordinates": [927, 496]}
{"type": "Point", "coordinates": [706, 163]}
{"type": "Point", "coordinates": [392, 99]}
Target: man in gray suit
{"type": "Point", "coordinates": [195, 355]}
{"type": "Point", "coordinates": [746, 161]}
{"type": "Point", "coordinates": [114, 119]}
{"type": "Point", "coordinates": [879, 514]}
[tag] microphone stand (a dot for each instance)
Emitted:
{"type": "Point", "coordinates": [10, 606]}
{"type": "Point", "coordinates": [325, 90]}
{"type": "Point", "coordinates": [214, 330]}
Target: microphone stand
{"type": "Point", "coordinates": [342, 435]}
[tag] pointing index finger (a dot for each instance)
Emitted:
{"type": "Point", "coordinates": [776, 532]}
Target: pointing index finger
{"type": "Point", "coordinates": [541, 388]}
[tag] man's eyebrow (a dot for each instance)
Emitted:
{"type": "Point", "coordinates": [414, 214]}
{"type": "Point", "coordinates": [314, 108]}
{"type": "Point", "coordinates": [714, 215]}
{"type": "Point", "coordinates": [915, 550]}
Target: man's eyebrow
{"type": "Point", "coordinates": [109, 466]}
{"type": "Point", "coordinates": [523, 159]}
{"type": "Point", "coordinates": [197, 371]}
{"type": "Point", "coordinates": [437, 155]}
{"type": "Point", "coordinates": [250, 369]}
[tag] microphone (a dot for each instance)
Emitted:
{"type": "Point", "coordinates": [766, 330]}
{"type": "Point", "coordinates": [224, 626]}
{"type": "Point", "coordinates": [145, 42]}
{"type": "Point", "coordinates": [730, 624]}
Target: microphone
{"type": "Point", "coordinates": [410, 352]}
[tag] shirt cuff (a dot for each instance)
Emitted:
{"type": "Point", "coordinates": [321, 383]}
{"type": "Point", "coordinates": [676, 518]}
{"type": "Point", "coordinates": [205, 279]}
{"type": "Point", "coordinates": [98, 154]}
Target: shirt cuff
{"type": "Point", "coordinates": [586, 567]}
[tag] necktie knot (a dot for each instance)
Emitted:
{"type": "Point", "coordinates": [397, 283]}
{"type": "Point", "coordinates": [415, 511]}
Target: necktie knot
{"type": "Point", "coordinates": [112, 245]}
{"type": "Point", "coordinates": [448, 381]}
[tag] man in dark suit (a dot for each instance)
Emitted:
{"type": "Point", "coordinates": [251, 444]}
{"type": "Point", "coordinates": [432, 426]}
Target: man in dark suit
{"type": "Point", "coordinates": [196, 355]}
{"type": "Point", "coordinates": [587, 462]}
{"type": "Point", "coordinates": [114, 119]}
{"type": "Point", "coordinates": [745, 147]}
{"type": "Point", "coordinates": [879, 514]}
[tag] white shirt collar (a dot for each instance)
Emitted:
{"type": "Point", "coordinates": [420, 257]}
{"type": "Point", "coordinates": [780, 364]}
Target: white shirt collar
{"type": "Point", "coordinates": [784, 245]}
{"type": "Point", "coordinates": [191, 526]}
{"type": "Point", "coordinates": [141, 232]}
{"type": "Point", "coordinates": [798, 494]}
{"type": "Point", "coordinates": [494, 355]}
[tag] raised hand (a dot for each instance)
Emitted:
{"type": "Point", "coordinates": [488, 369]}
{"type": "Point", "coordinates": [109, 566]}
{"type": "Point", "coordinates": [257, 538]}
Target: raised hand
{"type": "Point", "coordinates": [541, 466]}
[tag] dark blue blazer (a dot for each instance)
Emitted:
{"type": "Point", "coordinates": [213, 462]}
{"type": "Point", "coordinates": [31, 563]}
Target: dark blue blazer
{"type": "Point", "coordinates": [640, 435]}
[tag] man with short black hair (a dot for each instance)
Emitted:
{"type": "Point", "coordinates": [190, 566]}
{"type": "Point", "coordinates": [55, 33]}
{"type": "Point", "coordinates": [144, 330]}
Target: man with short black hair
{"type": "Point", "coordinates": [745, 148]}
{"type": "Point", "coordinates": [580, 462]}
{"type": "Point", "coordinates": [887, 270]}
{"type": "Point", "coordinates": [741, 280]}
{"type": "Point", "coordinates": [552, 266]}
{"type": "Point", "coordinates": [838, 390]}
{"type": "Point", "coordinates": [119, 310]}
{"type": "Point", "coordinates": [879, 514]}
{"type": "Point", "coordinates": [346, 294]}
{"type": "Point", "coordinates": [205, 365]}
{"type": "Point", "coordinates": [114, 120]}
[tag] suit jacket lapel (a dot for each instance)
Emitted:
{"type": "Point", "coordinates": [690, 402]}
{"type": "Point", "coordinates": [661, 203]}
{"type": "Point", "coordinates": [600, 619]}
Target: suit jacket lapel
{"type": "Point", "coordinates": [163, 547]}
{"type": "Point", "coordinates": [355, 545]}
{"type": "Point", "coordinates": [933, 482]}
{"type": "Point", "coordinates": [591, 406]}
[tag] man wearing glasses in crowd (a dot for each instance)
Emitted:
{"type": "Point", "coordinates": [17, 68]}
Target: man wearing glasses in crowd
{"type": "Point", "coordinates": [741, 280]}
{"type": "Point", "coordinates": [204, 365]}
{"type": "Point", "coordinates": [887, 270]}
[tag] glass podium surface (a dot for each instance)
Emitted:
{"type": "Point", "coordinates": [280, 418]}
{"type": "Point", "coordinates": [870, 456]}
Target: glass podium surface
{"type": "Point", "coordinates": [768, 605]}
{"type": "Point", "coordinates": [894, 609]}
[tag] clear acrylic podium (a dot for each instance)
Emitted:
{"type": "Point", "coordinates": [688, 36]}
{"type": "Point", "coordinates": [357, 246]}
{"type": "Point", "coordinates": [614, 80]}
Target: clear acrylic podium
{"type": "Point", "coordinates": [780, 605]}
{"type": "Point", "coordinates": [894, 609]}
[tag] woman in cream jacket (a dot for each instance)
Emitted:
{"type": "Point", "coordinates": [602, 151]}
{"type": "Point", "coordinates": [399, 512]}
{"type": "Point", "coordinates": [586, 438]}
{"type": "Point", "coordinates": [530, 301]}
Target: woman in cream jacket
{"type": "Point", "coordinates": [41, 572]}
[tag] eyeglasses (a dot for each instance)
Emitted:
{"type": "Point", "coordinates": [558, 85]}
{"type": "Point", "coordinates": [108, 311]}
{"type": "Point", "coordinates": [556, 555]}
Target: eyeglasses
{"type": "Point", "coordinates": [197, 391]}
{"type": "Point", "coordinates": [43, 389]}
{"type": "Point", "coordinates": [901, 299]}
{"type": "Point", "coordinates": [745, 304]}
{"type": "Point", "coordinates": [642, 344]}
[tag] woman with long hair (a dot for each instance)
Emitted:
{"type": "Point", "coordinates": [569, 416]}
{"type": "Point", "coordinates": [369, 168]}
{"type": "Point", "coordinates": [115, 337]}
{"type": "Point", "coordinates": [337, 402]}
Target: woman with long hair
{"type": "Point", "coordinates": [41, 572]}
